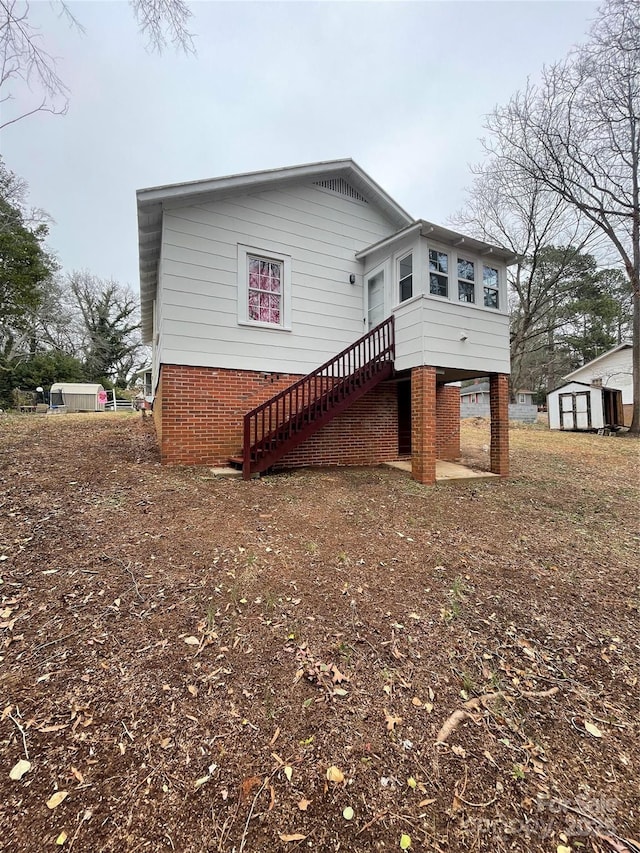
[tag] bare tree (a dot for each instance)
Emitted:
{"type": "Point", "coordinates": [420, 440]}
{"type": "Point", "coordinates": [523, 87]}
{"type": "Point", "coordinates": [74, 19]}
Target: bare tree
{"type": "Point", "coordinates": [25, 61]}
{"type": "Point", "coordinates": [577, 134]}
{"type": "Point", "coordinates": [107, 326]}
{"type": "Point", "coordinates": [508, 207]}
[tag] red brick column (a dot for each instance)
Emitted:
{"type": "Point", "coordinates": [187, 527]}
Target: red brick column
{"type": "Point", "coordinates": [423, 424]}
{"type": "Point", "coordinates": [448, 422]}
{"type": "Point", "coordinates": [499, 403]}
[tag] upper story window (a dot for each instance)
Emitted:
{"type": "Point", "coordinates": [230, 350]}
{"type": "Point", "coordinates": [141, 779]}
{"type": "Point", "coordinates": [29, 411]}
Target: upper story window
{"type": "Point", "coordinates": [490, 286]}
{"type": "Point", "coordinates": [466, 281]}
{"type": "Point", "coordinates": [263, 288]}
{"type": "Point", "coordinates": [406, 277]}
{"type": "Point", "coordinates": [438, 273]}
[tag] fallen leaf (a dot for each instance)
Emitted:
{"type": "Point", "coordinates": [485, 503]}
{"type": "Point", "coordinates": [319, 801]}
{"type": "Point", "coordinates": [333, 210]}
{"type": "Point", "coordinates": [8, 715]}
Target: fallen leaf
{"type": "Point", "coordinates": [296, 836]}
{"type": "Point", "coordinates": [288, 772]}
{"type": "Point", "coordinates": [391, 721]}
{"type": "Point", "coordinates": [78, 775]}
{"type": "Point", "coordinates": [416, 702]}
{"type": "Point", "coordinates": [192, 689]}
{"type": "Point", "coordinates": [405, 841]}
{"type": "Point", "coordinates": [347, 813]}
{"type": "Point", "coordinates": [248, 785]}
{"type": "Point", "coordinates": [411, 782]}
{"type": "Point", "coordinates": [192, 641]}
{"type": "Point", "coordinates": [460, 751]}
{"type": "Point", "coordinates": [593, 730]}
{"type": "Point", "coordinates": [61, 838]}
{"type": "Point", "coordinates": [276, 734]}
{"type": "Point", "coordinates": [304, 804]}
{"type": "Point", "coordinates": [55, 799]}
{"type": "Point", "coordinates": [200, 782]}
{"type": "Point", "coordinates": [425, 802]}
{"type": "Point", "coordinates": [562, 849]}
{"type": "Point", "coordinates": [334, 774]}
{"type": "Point", "coordinates": [339, 691]}
{"type": "Point", "coordinates": [18, 770]}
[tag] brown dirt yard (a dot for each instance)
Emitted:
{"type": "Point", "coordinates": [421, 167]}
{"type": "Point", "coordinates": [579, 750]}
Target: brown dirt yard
{"type": "Point", "coordinates": [194, 664]}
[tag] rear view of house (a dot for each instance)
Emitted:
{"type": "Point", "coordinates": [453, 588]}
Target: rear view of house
{"type": "Point", "coordinates": [300, 316]}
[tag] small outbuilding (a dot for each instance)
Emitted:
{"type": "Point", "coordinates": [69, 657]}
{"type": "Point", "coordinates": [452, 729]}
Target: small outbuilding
{"type": "Point", "coordinates": [78, 396]}
{"type": "Point", "coordinates": [578, 406]}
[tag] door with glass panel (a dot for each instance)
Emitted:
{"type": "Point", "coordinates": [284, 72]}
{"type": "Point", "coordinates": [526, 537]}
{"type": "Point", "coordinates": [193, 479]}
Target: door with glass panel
{"type": "Point", "coordinates": [375, 298]}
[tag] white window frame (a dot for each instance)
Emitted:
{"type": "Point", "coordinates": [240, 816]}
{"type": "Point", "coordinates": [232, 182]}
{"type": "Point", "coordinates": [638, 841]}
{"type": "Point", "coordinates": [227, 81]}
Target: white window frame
{"type": "Point", "coordinates": [471, 281]}
{"type": "Point", "coordinates": [244, 252]}
{"type": "Point", "coordinates": [441, 251]}
{"type": "Point", "coordinates": [498, 306]}
{"type": "Point", "coordinates": [401, 258]}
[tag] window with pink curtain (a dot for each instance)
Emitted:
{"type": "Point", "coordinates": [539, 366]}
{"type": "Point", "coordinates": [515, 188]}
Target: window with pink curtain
{"type": "Point", "coordinates": [265, 290]}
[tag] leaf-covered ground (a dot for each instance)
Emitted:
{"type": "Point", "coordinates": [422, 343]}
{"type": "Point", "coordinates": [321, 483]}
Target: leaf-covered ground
{"type": "Point", "coordinates": [196, 664]}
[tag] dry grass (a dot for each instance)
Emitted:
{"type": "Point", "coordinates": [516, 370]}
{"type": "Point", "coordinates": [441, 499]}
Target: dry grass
{"type": "Point", "coordinates": [187, 656]}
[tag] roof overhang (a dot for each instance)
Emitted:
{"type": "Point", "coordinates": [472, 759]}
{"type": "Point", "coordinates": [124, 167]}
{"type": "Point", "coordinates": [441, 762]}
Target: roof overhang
{"type": "Point", "coordinates": [152, 200]}
{"type": "Point", "coordinates": [442, 235]}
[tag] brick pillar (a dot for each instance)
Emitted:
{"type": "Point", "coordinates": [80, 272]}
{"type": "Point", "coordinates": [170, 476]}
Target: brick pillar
{"type": "Point", "coordinates": [448, 422]}
{"type": "Point", "coordinates": [499, 403]}
{"type": "Point", "coordinates": [423, 424]}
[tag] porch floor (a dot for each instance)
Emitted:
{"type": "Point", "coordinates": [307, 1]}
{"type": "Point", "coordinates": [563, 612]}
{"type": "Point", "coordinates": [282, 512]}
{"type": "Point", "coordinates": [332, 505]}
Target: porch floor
{"type": "Point", "coordinates": [447, 471]}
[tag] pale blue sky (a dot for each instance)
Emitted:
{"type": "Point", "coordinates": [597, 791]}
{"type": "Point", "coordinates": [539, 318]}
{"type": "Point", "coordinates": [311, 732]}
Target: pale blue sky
{"type": "Point", "coordinates": [400, 87]}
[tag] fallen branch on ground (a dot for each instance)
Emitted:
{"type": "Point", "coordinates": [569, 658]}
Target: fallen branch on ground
{"type": "Point", "coordinates": [478, 702]}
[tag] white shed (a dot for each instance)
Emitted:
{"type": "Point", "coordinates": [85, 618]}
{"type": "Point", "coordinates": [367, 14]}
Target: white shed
{"type": "Point", "coordinates": [579, 406]}
{"type": "Point", "coordinates": [78, 396]}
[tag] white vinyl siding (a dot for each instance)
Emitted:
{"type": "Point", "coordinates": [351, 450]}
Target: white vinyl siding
{"type": "Point", "coordinates": [614, 370]}
{"type": "Point", "coordinates": [429, 330]}
{"type": "Point", "coordinates": [319, 231]}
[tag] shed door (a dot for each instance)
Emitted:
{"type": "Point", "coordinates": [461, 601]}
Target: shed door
{"type": "Point", "coordinates": [583, 410]}
{"type": "Point", "coordinates": [575, 410]}
{"type": "Point", "coordinates": [375, 299]}
{"type": "Point", "coordinates": [566, 411]}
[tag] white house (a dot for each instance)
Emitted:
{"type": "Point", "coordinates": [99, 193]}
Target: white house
{"type": "Point", "coordinates": [598, 394]}
{"type": "Point", "coordinates": [301, 316]}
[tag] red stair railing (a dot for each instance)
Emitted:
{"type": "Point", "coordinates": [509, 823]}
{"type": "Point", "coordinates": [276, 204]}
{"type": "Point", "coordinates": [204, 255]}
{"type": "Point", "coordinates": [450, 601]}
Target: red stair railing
{"type": "Point", "coordinates": [282, 422]}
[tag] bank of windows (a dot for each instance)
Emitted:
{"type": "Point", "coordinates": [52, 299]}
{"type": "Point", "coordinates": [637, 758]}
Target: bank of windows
{"type": "Point", "coordinates": [466, 278]}
{"type": "Point", "coordinates": [466, 271]}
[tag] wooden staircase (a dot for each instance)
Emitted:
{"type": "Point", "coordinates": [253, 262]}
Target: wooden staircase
{"type": "Point", "coordinates": [274, 428]}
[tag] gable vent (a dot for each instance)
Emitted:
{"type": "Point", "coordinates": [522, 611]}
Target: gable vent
{"type": "Point", "coordinates": [339, 185]}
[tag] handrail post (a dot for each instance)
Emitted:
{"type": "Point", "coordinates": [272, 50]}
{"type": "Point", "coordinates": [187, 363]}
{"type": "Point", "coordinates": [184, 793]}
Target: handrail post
{"type": "Point", "coordinates": [246, 456]}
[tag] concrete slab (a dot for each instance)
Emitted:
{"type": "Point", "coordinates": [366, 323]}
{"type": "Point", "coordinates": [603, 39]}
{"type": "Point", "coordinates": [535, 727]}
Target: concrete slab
{"type": "Point", "coordinates": [447, 471]}
{"type": "Point", "coordinates": [226, 472]}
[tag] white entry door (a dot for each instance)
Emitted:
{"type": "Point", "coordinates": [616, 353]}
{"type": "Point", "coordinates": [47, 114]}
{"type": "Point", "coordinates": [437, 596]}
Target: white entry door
{"type": "Point", "coordinates": [375, 299]}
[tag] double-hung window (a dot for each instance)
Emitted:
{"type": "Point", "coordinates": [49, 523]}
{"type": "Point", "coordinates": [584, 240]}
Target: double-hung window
{"type": "Point", "coordinates": [490, 286]}
{"type": "Point", "coordinates": [438, 273]}
{"type": "Point", "coordinates": [405, 274]}
{"type": "Point", "coordinates": [466, 280]}
{"type": "Point", "coordinates": [263, 288]}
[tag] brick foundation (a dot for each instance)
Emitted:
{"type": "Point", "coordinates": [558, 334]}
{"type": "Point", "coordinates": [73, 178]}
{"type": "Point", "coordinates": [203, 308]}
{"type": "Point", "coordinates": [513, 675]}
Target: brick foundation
{"type": "Point", "coordinates": [423, 424]}
{"type": "Point", "coordinates": [499, 404]}
{"type": "Point", "coordinates": [199, 419]}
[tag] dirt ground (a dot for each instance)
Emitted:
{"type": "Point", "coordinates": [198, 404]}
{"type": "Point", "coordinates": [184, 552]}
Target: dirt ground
{"type": "Point", "coordinates": [198, 664]}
